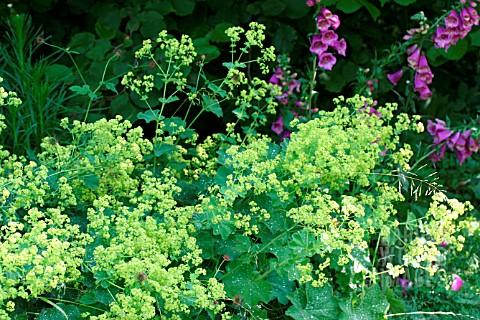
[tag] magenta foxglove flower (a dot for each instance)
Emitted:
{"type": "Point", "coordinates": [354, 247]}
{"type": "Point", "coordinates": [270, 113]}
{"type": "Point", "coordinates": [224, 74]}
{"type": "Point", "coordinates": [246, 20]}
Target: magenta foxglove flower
{"type": "Point", "coordinates": [457, 283]}
{"type": "Point", "coordinates": [326, 61]}
{"type": "Point", "coordinates": [452, 20]}
{"type": "Point", "coordinates": [413, 59]}
{"type": "Point", "coordinates": [318, 46]}
{"type": "Point", "coordinates": [340, 46]}
{"type": "Point", "coordinates": [473, 144]}
{"type": "Point", "coordinates": [395, 77]}
{"type": "Point", "coordinates": [329, 37]}
{"type": "Point", "coordinates": [443, 244]}
{"type": "Point", "coordinates": [277, 76]}
{"type": "Point", "coordinates": [277, 126]}
{"type": "Point", "coordinates": [405, 284]}
{"type": "Point", "coordinates": [310, 3]}
{"type": "Point", "coordinates": [437, 156]}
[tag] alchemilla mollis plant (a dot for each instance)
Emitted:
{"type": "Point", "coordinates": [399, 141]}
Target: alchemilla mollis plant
{"type": "Point", "coordinates": [112, 225]}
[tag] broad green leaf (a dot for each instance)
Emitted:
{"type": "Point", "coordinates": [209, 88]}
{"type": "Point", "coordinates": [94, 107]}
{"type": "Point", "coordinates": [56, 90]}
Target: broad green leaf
{"type": "Point", "coordinates": [281, 287]}
{"type": "Point", "coordinates": [82, 42]}
{"type": "Point", "coordinates": [374, 12]}
{"type": "Point", "coordinates": [396, 304]}
{"type": "Point", "coordinates": [84, 90]}
{"type": "Point", "coordinates": [240, 113]}
{"type": "Point", "coordinates": [205, 241]}
{"type": "Point", "coordinates": [110, 86]}
{"type": "Point", "coordinates": [105, 31]}
{"type": "Point", "coordinates": [295, 9]}
{"type": "Point", "coordinates": [173, 124]}
{"type": "Point", "coordinates": [373, 305]}
{"type": "Point", "coordinates": [284, 38]}
{"type": "Point", "coordinates": [88, 298]}
{"type": "Point", "coordinates": [475, 38]}
{"type": "Point", "coordinates": [91, 181]}
{"type": "Point", "coordinates": [272, 7]}
{"type": "Point", "coordinates": [57, 72]}
{"type": "Point", "coordinates": [222, 173]}
{"type": "Point", "coordinates": [244, 281]}
{"type": "Point", "coordinates": [121, 105]}
{"type": "Point", "coordinates": [313, 303]}
{"type": "Point", "coordinates": [218, 33]}
{"type": "Point", "coordinates": [169, 99]}
{"type": "Point", "coordinates": [405, 2]}
{"type": "Point", "coordinates": [161, 148]}
{"type": "Point", "coordinates": [105, 295]}
{"type": "Point", "coordinates": [152, 23]}
{"type": "Point", "coordinates": [349, 6]}
{"type": "Point", "coordinates": [224, 228]}
{"type": "Point", "coordinates": [183, 7]}
{"type": "Point", "coordinates": [457, 51]}
{"type": "Point", "coordinates": [216, 89]}
{"type": "Point", "coordinates": [212, 105]}
{"type": "Point", "coordinates": [203, 47]}
{"type": "Point", "coordinates": [71, 312]}
{"type": "Point", "coordinates": [150, 115]}
{"type": "Point", "coordinates": [100, 49]}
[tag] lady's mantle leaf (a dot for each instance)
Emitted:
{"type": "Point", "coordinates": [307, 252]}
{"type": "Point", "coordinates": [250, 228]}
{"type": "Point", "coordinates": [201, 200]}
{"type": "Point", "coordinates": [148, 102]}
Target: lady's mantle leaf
{"type": "Point", "coordinates": [313, 303]}
{"type": "Point", "coordinates": [374, 305]}
{"type": "Point", "coordinates": [242, 280]}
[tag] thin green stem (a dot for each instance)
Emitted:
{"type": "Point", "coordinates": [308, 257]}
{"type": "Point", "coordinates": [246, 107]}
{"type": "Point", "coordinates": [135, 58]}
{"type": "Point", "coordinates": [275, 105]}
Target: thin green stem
{"type": "Point", "coordinates": [312, 87]}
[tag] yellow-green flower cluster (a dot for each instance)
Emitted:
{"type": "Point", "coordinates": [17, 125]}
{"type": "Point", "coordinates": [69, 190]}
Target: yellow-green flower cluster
{"type": "Point", "coordinates": [327, 181]}
{"type": "Point", "coordinates": [143, 240]}
{"type": "Point", "coordinates": [8, 98]}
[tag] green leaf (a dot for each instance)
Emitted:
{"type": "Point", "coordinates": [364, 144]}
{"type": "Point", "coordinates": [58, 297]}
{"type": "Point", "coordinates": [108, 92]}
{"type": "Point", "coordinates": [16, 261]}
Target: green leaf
{"type": "Point", "coordinates": [57, 72]}
{"type": "Point", "coordinates": [396, 304]}
{"type": "Point", "coordinates": [475, 38]}
{"type": "Point", "coordinates": [349, 6]}
{"type": "Point", "coordinates": [272, 7]}
{"type": "Point", "coordinates": [244, 281]}
{"type": "Point", "coordinates": [313, 303]}
{"type": "Point", "coordinates": [82, 42]}
{"type": "Point", "coordinates": [183, 7]}
{"type": "Point", "coordinates": [457, 51]}
{"type": "Point", "coordinates": [224, 228]}
{"type": "Point", "coordinates": [105, 31]}
{"type": "Point", "coordinates": [104, 295]}
{"type": "Point", "coordinates": [285, 38]}
{"type": "Point", "coordinates": [218, 33]}
{"type": "Point", "coordinates": [152, 23]}
{"type": "Point", "coordinates": [295, 9]}
{"type": "Point", "coordinates": [240, 113]}
{"type": "Point", "coordinates": [173, 125]}
{"type": "Point", "coordinates": [281, 287]}
{"type": "Point", "coordinates": [110, 86]}
{"type": "Point", "coordinates": [374, 12]}
{"type": "Point", "coordinates": [91, 181]}
{"type": "Point", "coordinates": [121, 105]}
{"type": "Point", "coordinates": [99, 50]}
{"type": "Point", "coordinates": [71, 313]}
{"type": "Point", "coordinates": [161, 148]}
{"type": "Point", "coordinates": [373, 305]}
{"type": "Point", "coordinates": [211, 105]}
{"type": "Point", "coordinates": [405, 2]}
{"type": "Point", "coordinates": [203, 47]}
{"type": "Point", "coordinates": [169, 99]}
{"type": "Point", "coordinates": [216, 89]}
{"type": "Point", "coordinates": [150, 115]}
{"type": "Point", "coordinates": [84, 90]}
{"type": "Point", "coordinates": [222, 173]}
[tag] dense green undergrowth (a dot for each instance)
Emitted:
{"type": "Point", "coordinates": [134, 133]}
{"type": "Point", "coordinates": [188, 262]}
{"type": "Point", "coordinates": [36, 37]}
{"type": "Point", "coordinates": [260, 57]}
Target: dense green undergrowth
{"type": "Point", "coordinates": [153, 181]}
